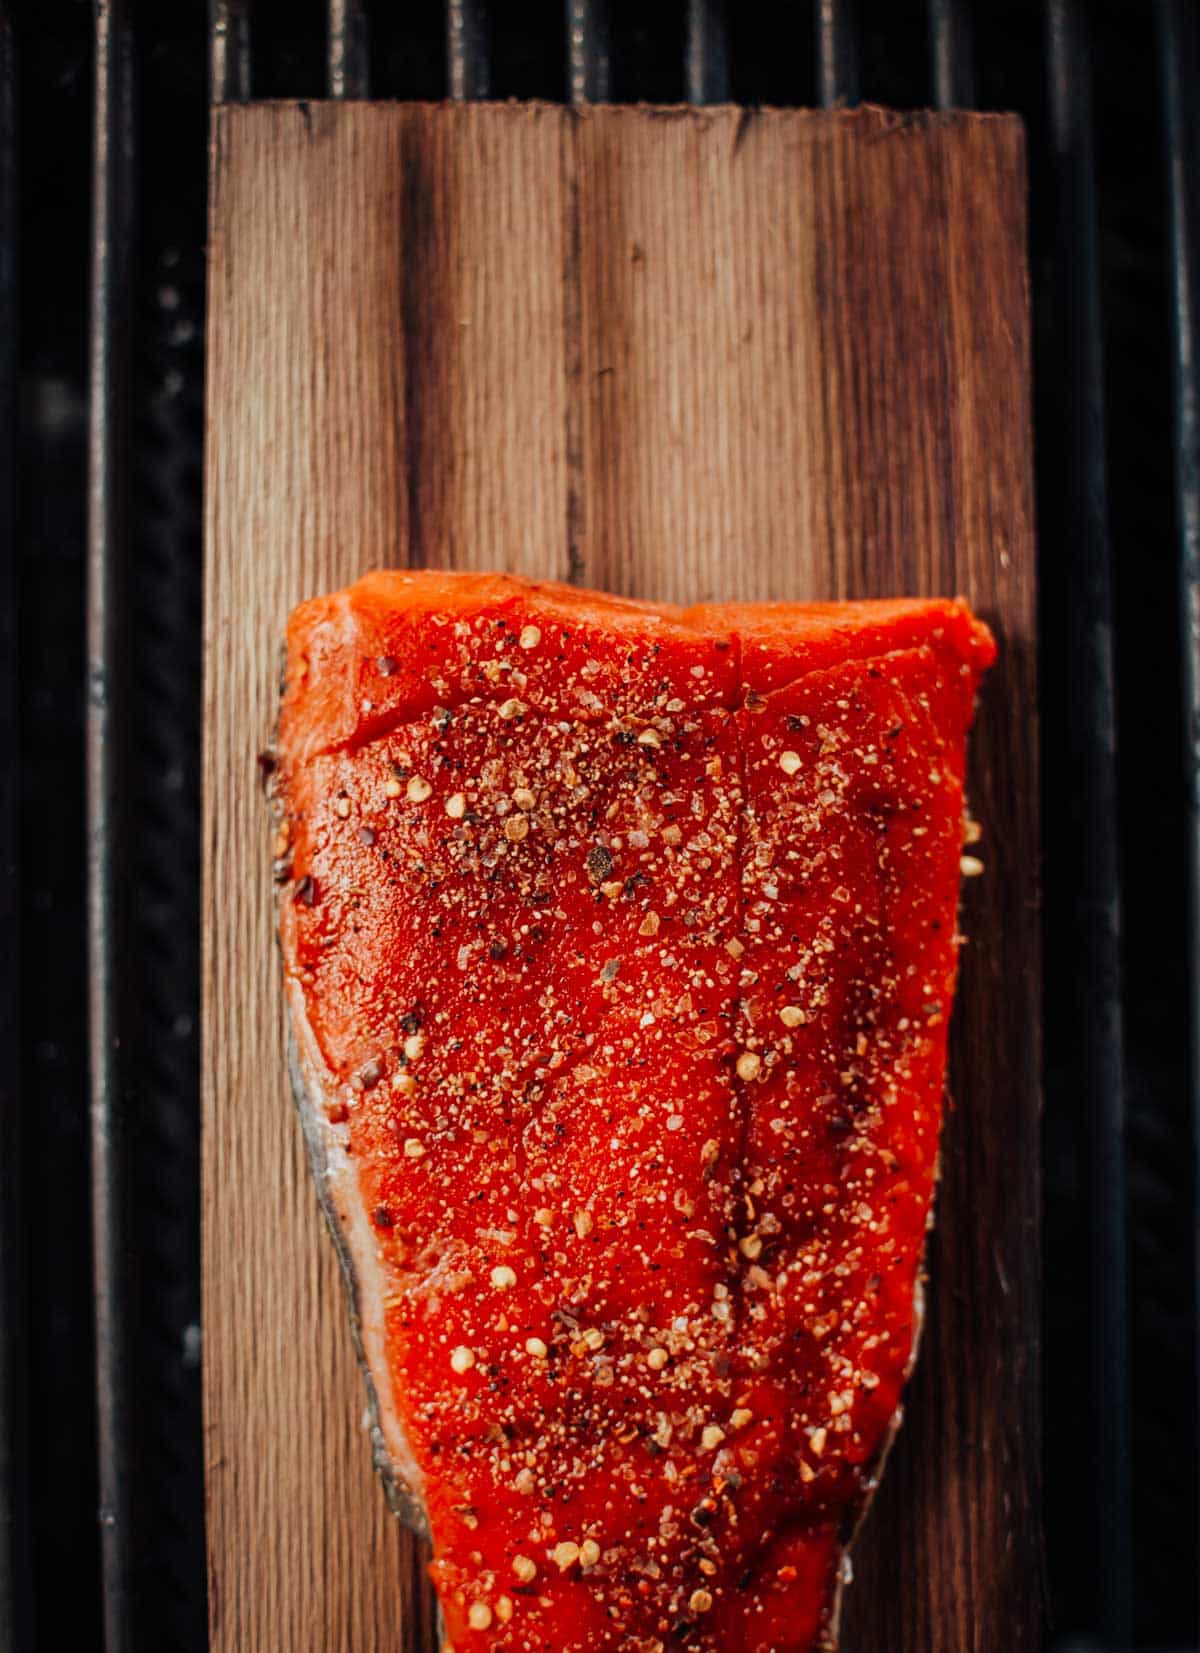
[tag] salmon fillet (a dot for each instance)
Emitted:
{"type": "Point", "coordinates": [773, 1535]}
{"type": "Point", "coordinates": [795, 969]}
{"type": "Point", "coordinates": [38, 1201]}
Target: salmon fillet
{"type": "Point", "coordinates": [619, 944]}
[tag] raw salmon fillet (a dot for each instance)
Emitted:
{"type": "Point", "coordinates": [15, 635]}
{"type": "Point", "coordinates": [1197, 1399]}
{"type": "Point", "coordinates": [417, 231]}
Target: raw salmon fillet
{"type": "Point", "coordinates": [619, 944]}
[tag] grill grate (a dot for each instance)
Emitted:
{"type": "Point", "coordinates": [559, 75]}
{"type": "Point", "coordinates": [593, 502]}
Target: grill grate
{"type": "Point", "coordinates": [1090, 713]}
{"type": "Point", "coordinates": [1116, 291]}
{"type": "Point", "coordinates": [14, 1460]}
{"type": "Point", "coordinates": [1180, 70]}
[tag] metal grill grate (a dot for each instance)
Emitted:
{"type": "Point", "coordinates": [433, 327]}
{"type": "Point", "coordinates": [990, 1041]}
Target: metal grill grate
{"type": "Point", "coordinates": [103, 430]}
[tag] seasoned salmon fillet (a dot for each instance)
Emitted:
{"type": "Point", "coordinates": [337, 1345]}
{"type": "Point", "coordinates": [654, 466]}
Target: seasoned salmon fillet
{"type": "Point", "coordinates": [619, 944]}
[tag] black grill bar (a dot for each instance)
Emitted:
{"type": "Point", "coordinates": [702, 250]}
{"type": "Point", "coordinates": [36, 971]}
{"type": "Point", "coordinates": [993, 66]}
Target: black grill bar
{"type": "Point", "coordinates": [349, 54]}
{"type": "Point", "coordinates": [838, 71]}
{"type": "Point", "coordinates": [16, 1618]}
{"type": "Point", "coordinates": [706, 62]}
{"type": "Point", "coordinates": [1096, 1017]}
{"type": "Point", "coordinates": [113, 1122]}
{"type": "Point", "coordinates": [589, 62]}
{"type": "Point", "coordinates": [951, 60]}
{"type": "Point", "coordinates": [229, 51]}
{"type": "Point", "coordinates": [467, 61]}
{"type": "Point", "coordinates": [1179, 56]}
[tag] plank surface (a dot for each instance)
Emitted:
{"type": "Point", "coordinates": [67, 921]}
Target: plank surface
{"type": "Point", "coordinates": [676, 354]}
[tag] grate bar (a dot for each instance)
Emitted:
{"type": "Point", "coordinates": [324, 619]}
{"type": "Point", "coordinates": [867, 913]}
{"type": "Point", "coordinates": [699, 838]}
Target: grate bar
{"type": "Point", "coordinates": [1097, 1016]}
{"type": "Point", "coordinates": [589, 58]}
{"type": "Point", "coordinates": [468, 68]}
{"type": "Point", "coordinates": [229, 51]}
{"type": "Point", "coordinates": [951, 55]}
{"type": "Point", "coordinates": [16, 1606]}
{"type": "Point", "coordinates": [113, 1123]}
{"type": "Point", "coordinates": [838, 71]}
{"type": "Point", "coordinates": [1179, 55]}
{"type": "Point", "coordinates": [349, 50]}
{"type": "Point", "coordinates": [707, 54]}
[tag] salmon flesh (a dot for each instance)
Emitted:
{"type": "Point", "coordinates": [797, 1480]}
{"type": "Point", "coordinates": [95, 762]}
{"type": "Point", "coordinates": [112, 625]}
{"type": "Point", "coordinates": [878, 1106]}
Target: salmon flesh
{"type": "Point", "coordinates": [619, 944]}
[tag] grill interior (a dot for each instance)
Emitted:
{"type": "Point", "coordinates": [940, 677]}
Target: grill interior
{"type": "Point", "coordinates": [103, 119]}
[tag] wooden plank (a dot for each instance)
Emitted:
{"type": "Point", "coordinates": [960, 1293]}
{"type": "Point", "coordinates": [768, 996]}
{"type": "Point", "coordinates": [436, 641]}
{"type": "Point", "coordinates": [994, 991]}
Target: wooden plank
{"type": "Point", "coordinates": [677, 354]}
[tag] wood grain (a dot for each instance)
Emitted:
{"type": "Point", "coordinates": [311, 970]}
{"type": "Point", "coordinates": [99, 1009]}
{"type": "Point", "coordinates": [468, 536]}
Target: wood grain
{"type": "Point", "coordinates": [678, 354]}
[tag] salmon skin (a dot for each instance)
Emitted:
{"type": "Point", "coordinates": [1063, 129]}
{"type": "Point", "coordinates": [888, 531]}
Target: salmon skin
{"type": "Point", "coordinates": [619, 945]}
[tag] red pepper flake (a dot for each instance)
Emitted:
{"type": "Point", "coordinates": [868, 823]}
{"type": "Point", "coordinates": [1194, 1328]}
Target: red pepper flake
{"type": "Point", "coordinates": [383, 1217]}
{"type": "Point", "coordinates": [305, 893]}
{"type": "Point", "coordinates": [387, 666]}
